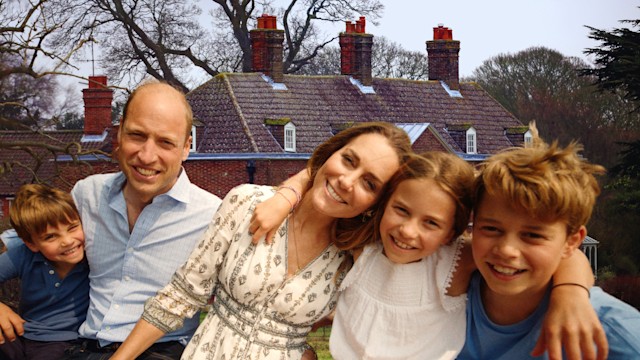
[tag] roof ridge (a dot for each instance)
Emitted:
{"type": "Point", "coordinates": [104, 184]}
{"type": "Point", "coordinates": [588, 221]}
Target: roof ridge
{"type": "Point", "coordinates": [243, 120]}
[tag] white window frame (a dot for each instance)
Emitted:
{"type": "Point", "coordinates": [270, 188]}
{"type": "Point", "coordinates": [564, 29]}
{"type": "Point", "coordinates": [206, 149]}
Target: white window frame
{"type": "Point", "coordinates": [290, 137]}
{"type": "Point", "coordinates": [528, 139]}
{"type": "Point", "coordinates": [472, 141]}
{"type": "Point", "coordinates": [193, 139]}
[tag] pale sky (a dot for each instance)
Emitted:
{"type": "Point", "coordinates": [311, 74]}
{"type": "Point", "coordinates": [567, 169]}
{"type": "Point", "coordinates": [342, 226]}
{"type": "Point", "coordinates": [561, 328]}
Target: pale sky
{"type": "Point", "coordinates": [487, 28]}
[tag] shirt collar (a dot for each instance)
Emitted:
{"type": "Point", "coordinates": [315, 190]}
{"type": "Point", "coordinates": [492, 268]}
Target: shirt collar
{"type": "Point", "coordinates": [179, 191]}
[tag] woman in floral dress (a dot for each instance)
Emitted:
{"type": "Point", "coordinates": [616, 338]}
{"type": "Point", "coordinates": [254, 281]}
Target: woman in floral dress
{"type": "Point", "coordinates": [268, 296]}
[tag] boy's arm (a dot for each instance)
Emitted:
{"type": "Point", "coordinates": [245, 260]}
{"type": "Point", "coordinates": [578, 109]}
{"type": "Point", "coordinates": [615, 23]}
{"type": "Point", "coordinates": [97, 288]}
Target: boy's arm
{"type": "Point", "coordinates": [270, 213]}
{"type": "Point", "coordinates": [571, 322]}
{"type": "Point", "coordinates": [11, 324]}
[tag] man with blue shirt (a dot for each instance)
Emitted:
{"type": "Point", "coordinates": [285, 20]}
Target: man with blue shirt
{"type": "Point", "coordinates": [141, 223]}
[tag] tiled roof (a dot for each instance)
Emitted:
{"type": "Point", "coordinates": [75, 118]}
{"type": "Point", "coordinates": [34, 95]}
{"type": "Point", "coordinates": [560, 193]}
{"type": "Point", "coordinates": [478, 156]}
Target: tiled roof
{"type": "Point", "coordinates": [234, 108]}
{"type": "Point", "coordinates": [19, 163]}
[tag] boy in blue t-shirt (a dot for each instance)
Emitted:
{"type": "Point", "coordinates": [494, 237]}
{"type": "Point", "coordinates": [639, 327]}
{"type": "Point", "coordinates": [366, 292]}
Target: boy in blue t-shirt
{"type": "Point", "coordinates": [53, 273]}
{"type": "Point", "coordinates": [531, 207]}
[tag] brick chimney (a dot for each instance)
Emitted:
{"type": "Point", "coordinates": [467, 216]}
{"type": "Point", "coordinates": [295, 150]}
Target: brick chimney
{"type": "Point", "coordinates": [442, 53]}
{"type": "Point", "coordinates": [355, 51]}
{"type": "Point", "coordinates": [97, 106]}
{"type": "Point", "coordinates": [266, 45]}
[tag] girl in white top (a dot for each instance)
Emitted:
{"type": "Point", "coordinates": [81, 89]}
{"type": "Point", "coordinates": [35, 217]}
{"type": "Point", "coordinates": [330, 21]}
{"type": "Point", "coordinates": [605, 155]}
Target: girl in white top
{"type": "Point", "coordinates": [414, 306]}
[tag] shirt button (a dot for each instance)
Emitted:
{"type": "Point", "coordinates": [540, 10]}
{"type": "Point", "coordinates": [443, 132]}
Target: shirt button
{"type": "Point", "coordinates": [57, 284]}
{"type": "Point", "coordinates": [130, 250]}
{"type": "Point", "coordinates": [51, 272]}
{"type": "Point", "coordinates": [108, 328]}
{"type": "Point", "coordinates": [116, 306]}
{"type": "Point", "coordinates": [127, 278]}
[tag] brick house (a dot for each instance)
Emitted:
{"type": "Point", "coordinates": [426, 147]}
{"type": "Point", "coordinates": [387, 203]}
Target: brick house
{"type": "Point", "coordinates": [262, 126]}
{"type": "Point", "coordinates": [275, 120]}
{"type": "Point", "coordinates": [22, 163]}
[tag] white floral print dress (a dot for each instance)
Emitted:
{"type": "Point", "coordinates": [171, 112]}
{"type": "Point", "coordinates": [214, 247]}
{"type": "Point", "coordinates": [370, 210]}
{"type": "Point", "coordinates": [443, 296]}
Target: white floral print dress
{"type": "Point", "coordinates": [257, 312]}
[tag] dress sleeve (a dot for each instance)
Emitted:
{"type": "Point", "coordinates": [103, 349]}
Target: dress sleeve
{"type": "Point", "coordinates": [447, 258]}
{"type": "Point", "coordinates": [192, 284]}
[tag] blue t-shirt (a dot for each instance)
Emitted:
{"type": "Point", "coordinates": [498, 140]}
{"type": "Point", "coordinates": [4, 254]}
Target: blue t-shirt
{"type": "Point", "coordinates": [53, 308]}
{"type": "Point", "coordinates": [487, 340]}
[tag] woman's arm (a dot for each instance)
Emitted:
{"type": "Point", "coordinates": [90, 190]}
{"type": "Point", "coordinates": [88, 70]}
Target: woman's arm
{"type": "Point", "coordinates": [270, 213]}
{"type": "Point", "coordinates": [140, 339]}
{"type": "Point", "coordinates": [571, 323]}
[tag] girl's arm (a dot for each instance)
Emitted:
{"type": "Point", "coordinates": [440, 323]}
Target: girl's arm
{"type": "Point", "coordinates": [571, 323]}
{"type": "Point", "coordinates": [140, 339]}
{"type": "Point", "coordinates": [269, 214]}
{"type": "Point", "coordinates": [464, 269]}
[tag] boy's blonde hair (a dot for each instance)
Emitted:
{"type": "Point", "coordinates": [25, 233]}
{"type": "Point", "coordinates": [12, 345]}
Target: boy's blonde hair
{"type": "Point", "coordinates": [547, 181]}
{"type": "Point", "coordinates": [454, 176]}
{"type": "Point", "coordinates": [36, 206]}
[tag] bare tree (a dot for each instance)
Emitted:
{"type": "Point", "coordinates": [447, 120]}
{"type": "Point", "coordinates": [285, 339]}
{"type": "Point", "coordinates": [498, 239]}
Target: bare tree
{"type": "Point", "coordinates": [29, 65]}
{"type": "Point", "coordinates": [174, 39]}
{"type": "Point", "coordinates": [388, 60]}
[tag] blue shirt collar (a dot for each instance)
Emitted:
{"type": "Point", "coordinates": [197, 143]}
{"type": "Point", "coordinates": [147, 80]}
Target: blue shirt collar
{"type": "Point", "coordinates": [179, 192]}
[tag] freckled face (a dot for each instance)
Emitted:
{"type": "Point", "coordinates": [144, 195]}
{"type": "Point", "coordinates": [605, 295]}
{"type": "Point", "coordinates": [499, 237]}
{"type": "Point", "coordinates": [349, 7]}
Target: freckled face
{"type": "Point", "coordinates": [417, 220]}
{"type": "Point", "coordinates": [153, 142]}
{"type": "Point", "coordinates": [351, 179]}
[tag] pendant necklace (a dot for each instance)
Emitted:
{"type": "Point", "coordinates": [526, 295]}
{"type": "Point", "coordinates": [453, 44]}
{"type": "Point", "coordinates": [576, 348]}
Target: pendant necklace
{"type": "Point", "coordinates": [295, 243]}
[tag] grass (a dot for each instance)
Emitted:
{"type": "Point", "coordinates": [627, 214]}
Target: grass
{"type": "Point", "coordinates": [319, 339]}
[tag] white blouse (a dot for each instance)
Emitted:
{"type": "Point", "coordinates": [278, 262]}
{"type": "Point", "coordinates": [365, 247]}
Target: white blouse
{"type": "Point", "coordinates": [399, 311]}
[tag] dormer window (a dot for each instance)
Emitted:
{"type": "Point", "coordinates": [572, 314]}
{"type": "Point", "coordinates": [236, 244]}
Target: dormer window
{"type": "Point", "coordinates": [528, 139]}
{"type": "Point", "coordinates": [290, 137]}
{"type": "Point", "coordinates": [472, 141]}
{"type": "Point", "coordinates": [193, 139]}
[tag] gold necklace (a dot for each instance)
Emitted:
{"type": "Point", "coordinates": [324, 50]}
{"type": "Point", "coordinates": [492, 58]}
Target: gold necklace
{"type": "Point", "coordinates": [295, 243]}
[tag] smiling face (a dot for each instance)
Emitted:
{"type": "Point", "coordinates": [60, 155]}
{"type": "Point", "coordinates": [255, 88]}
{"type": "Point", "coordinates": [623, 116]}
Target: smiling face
{"type": "Point", "coordinates": [516, 253]}
{"type": "Point", "coordinates": [62, 244]}
{"type": "Point", "coordinates": [153, 142]}
{"type": "Point", "coordinates": [351, 179]}
{"type": "Point", "coordinates": [417, 220]}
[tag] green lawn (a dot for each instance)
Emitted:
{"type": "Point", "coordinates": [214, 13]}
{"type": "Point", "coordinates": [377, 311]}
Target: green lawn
{"type": "Point", "coordinates": [319, 339]}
